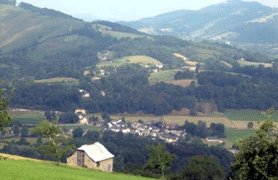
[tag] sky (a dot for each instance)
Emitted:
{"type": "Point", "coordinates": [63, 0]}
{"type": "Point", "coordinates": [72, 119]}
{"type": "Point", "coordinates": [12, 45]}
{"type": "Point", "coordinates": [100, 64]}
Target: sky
{"type": "Point", "coordinates": [127, 10]}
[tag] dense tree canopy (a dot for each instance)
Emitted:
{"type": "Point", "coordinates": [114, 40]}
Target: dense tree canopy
{"type": "Point", "coordinates": [258, 155]}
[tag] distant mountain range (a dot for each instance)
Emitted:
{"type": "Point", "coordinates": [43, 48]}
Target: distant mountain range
{"type": "Point", "coordinates": [232, 21]}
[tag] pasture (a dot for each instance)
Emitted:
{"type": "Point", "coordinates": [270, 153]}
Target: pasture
{"type": "Point", "coordinates": [247, 115]}
{"type": "Point", "coordinates": [58, 80]}
{"type": "Point", "coordinates": [234, 135]}
{"type": "Point", "coordinates": [162, 76]}
{"type": "Point", "coordinates": [23, 168]}
{"type": "Point", "coordinates": [139, 59]}
{"type": "Point", "coordinates": [243, 63]}
{"type": "Point", "coordinates": [26, 116]}
{"type": "Point", "coordinates": [182, 82]}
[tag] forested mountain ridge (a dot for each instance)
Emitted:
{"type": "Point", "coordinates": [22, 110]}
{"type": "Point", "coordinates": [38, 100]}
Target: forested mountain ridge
{"type": "Point", "coordinates": [49, 56]}
{"type": "Point", "coordinates": [234, 21]}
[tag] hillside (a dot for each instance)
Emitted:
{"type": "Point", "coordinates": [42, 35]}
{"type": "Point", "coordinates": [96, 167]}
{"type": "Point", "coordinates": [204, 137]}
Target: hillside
{"type": "Point", "coordinates": [30, 169]}
{"type": "Point", "coordinates": [48, 57]}
{"type": "Point", "coordinates": [233, 21]}
{"type": "Point", "coordinates": [42, 43]}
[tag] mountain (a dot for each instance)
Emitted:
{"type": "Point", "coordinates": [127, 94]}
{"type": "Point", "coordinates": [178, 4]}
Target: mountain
{"type": "Point", "coordinates": [43, 43]}
{"type": "Point", "coordinates": [232, 21]}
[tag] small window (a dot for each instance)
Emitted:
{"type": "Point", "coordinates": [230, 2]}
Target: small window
{"type": "Point", "coordinates": [98, 164]}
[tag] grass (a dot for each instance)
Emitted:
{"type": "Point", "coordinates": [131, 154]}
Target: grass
{"type": "Point", "coordinates": [233, 135]}
{"type": "Point", "coordinates": [162, 76]}
{"type": "Point", "coordinates": [247, 115]}
{"type": "Point", "coordinates": [182, 82]}
{"type": "Point", "coordinates": [84, 127]}
{"type": "Point", "coordinates": [27, 117]}
{"type": "Point", "coordinates": [39, 170]}
{"type": "Point", "coordinates": [139, 59]}
{"type": "Point", "coordinates": [255, 64]}
{"type": "Point", "coordinates": [58, 80]}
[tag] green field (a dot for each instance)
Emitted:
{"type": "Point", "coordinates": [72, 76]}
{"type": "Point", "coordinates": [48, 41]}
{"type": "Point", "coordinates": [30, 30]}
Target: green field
{"type": "Point", "coordinates": [84, 127]}
{"type": "Point", "coordinates": [139, 59]}
{"type": "Point", "coordinates": [58, 80]}
{"type": "Point", "coordinates": [233, 135]}
{"type": "Point", "coordinates": [247, 115]}
{"type": "Point", "coordinates": [162, 76]}
{"type": "Point", "coordinates": [27, 169]}
{"type": "Point", "coordinates": [255, 64]}
{"type": "Point", "coordinates": [27, 117]}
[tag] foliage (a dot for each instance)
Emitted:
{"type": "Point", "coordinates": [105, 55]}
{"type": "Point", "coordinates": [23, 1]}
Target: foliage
{"type": "Point", "coordinates": [258, 155]}
{"type": "Point", "coordinates": [77, 132]}
{"type": "Point", "coordinates": [159, 159]}
{"type": "Point", "coordinates": [68, 118]}
{"type": "Point", "coordinates": [58, 143]}
{"type": "Point", "coordinates": [202, 168]}
{"type": "Point", "coordinates": [4, 116]}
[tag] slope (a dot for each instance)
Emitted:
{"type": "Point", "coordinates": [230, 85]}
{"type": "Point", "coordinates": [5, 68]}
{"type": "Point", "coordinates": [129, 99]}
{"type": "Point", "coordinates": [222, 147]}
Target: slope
{"type": "Point", "coordinates": [234, 20]}
{"type": "Point", "coordinates": [30, 169]}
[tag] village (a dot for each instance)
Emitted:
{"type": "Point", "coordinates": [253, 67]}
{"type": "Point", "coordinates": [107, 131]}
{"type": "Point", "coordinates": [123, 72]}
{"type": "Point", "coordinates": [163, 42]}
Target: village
{"type": "Point", "coordinates": [169, 133]}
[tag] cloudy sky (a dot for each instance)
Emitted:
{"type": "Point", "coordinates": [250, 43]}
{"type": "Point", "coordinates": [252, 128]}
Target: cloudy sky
{"type": "Point", "coordinates": [127, 9]}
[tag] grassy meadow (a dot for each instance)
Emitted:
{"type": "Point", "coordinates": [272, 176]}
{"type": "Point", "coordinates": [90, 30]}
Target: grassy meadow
{"type": "Point", "coordinates": [58, 80]}
{"type": "Point", "coordinates": [24, 169]}
{"type": "Point", "coordinates": [27, 117]}
{"type": "Point", "coordinates": [139, 59]}
{"type": "Point", "coordinates": [162, 76]}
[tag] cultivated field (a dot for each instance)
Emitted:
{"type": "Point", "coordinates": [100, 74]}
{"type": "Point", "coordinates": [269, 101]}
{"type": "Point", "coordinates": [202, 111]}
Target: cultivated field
{"type": "Point", "coordinates": [139, 59]}
{"type": "Point", "coordinates": [162, 76]}
{"type": "Point", "coordinates": [22, 168]}
{"type": "Point", "coordinates": [243, 63]}
{"type": "Point", "coordinates": [26, 116]}
{"type": "Point", "coordinates": [58, 80]}
{"type": "Point", "coordinates": [233, 135]}
{"type": "Point", "coordinates": [182, 82]}
{"type": "Point", "coordinates": [247, 115]}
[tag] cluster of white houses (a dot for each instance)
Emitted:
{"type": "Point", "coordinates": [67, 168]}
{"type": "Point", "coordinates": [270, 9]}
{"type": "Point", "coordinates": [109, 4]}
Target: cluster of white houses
{"type": "Point", "coordinates": [167, 133]}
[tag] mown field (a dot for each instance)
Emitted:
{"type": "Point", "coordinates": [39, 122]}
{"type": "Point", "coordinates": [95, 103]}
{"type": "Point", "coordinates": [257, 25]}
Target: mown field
{"type": "Point", "coordinates": [247, 115]}
{"type": "Point", "coordinates": [162, 76]}
{"type": "Point", "coordinates": [139, 59]}
{"type": "Point", "coordinates": [39, 170]}
{"type": "Point", "coordinates": [233, 135]}
{"type": "Point", "coordinates": [58, 80]}
{"type": "Point", "coordinates": [255, 64]}
{"type": "Point", "coordinates": [26, 117]}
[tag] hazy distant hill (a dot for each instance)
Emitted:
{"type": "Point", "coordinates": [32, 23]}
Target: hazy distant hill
{"type": "Point", "coordinates": [234, 20]}
{"type": "Point", "coordinates": [44, 43]}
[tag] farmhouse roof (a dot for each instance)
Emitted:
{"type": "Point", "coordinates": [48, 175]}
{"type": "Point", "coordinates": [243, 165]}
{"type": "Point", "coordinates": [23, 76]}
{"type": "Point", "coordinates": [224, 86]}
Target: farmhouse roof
{"type": "Point", "coordinates": [97, 152]}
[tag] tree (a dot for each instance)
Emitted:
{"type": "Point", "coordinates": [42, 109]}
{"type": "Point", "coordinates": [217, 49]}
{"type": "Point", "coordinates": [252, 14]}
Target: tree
{"type": "Point", "coordinates": [16, 129]}
{"type": "Point", "coordinates": [58, 143]}
{"type": "Point", "coordinates": [159, 159]}
{"type": "Point", "coordinates": [202, 168]}
{"type": "Point", "coordinates": [68, 118]}
{"type": "Point", "coordinates": [250, 125]}
{"type": "Point", "coordinates": [50, 115]}
{"type": "Point", "coordinates": [258, 155]}
{"type": "Point", "coordinates": [24, 132]}
{"type": "Point", "coordinates": [5, 119]}
{"type": "Point", "coordinates": [77, 132]}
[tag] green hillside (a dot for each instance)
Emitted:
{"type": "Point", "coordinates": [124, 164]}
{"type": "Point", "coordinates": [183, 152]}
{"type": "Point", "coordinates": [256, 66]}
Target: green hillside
{"type": "Point", "coordinates": [26, 169]}
{"type": "Point", "coordinates": [233, 21]}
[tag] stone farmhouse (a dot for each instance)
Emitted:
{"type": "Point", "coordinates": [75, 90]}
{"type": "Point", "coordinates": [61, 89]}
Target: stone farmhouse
{"type": "Point", "coordinates": [94, 156]}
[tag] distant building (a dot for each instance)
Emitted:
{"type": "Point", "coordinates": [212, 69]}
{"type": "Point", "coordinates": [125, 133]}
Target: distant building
{"type": "Point", "coordinates": [94, 156]}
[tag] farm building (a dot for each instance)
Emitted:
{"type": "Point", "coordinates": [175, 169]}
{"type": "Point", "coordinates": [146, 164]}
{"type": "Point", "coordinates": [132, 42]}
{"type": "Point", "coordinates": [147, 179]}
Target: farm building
{"type": "Point", "coordinates": [94, 156]}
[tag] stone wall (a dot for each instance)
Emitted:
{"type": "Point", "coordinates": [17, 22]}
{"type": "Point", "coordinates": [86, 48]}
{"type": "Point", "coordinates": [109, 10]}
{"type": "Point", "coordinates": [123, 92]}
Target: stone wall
{"type": "Point", "coordinates": [105, 165]}
{"type": "Point", "coordinates": [72, 160]}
